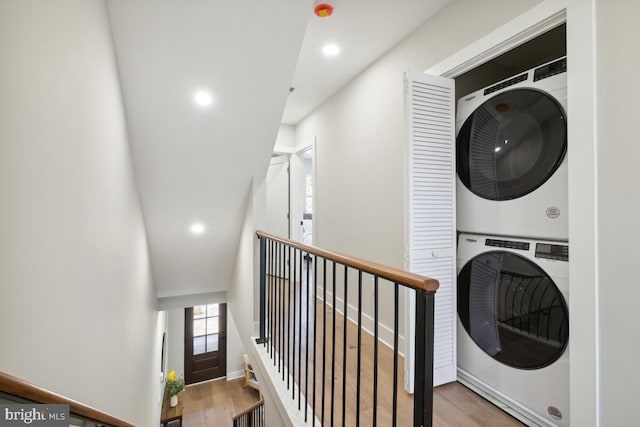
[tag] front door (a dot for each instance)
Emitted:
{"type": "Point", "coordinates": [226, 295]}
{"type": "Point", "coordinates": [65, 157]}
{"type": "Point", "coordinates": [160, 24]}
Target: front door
{"type": "Point", "coordinates": [205, 336]}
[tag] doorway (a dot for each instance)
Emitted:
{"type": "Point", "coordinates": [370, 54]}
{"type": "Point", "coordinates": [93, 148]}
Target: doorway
{"type": "Point", "coordinates": [205, 342]}
{"type": "Point", "coordinates": [278, 196]}
{"type": "Point", "coordinates": [303, 194]}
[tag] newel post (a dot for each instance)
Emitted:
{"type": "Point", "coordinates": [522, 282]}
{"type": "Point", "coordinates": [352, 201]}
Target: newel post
{"type": "Point", "coordinates": [263, 290]}
{"type": "Point", "coordinates": [423, 391]}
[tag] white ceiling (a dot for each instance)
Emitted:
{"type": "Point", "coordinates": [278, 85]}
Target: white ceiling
{"type": "Point", "coordinates": [364, 30]}
{"type": "Point", "coordinates": [194, 164]}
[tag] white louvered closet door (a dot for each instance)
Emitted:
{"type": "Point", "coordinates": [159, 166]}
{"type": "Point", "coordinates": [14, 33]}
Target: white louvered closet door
{"type": "Point", "coordinates": [431, 210]}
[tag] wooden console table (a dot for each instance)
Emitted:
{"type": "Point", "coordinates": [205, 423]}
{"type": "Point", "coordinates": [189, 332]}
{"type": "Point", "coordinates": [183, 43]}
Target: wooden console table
{"type": "Point", "coordinates": [169, 414]}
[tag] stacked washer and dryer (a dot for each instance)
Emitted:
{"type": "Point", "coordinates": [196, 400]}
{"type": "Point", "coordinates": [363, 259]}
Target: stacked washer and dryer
{"type": "Point", "coordinates": [513, 252]}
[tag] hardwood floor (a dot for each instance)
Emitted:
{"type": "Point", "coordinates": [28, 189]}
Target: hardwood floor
{"type": "Point", "coordinates": [456, 405]}
{"type": "Point", "coordinates": [214, 403]}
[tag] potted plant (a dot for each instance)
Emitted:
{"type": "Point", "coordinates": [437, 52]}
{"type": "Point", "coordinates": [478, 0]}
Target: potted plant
{"type": "Point", "coordinates": [174, 386]}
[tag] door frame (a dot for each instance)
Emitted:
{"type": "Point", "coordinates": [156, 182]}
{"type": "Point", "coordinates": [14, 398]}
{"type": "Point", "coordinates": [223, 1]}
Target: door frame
{"type": "Point", "coordinates": [584, 283]}
{"type": "Point", "coordinates": [297, 183]}
{"type": "Point", "coordinates": [536, 21]}
{"type": "Point", "coordinates": [188, 345]}
{"type": "Point", "coordinates": [276, 159]}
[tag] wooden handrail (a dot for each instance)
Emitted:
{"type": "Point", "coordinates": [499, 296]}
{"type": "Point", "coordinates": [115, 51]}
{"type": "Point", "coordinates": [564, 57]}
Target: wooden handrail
{"type": "Point", "coordinates": [23, 389]}
{"type": "Point", "coordinates": [251, 408]}
{"type": "Point", "coordinates": [396, 275]}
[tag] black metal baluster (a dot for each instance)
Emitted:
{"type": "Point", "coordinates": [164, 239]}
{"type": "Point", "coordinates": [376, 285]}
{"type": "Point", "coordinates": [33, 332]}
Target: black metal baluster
{"type": "Point", "coordinates": [375, 351]}
{"type": "Point", "coordinates": [279, 306]}
{"type": "Point", "coordinates": [324, 332]}
{"type": "Point", "coordinates": [280, 303]}
{"type": "Point", "coordinates": [359, 347]}
{"type": "Point", "coordinates": [274, 282]}
{"type": "Point", "coordinates": [300, 333]}
{"type": "Point", "coordinates": [263, 292]}
{"type": "Point", "coordinates": [395, 356]}
{"type": "Point", "coordinates": [292, 308]}
{"type": "Point", "coordinates": [315, 332]}
{"type": "Point", "coordinates": [333, 345]}
{"type": "Point", "coordinates": [423, 373]}
{"type": "Point", "coordinates": [283, 296]}
{"type": "Point", "coordinates": [344, 345]}
{"type": "Point", "coordinates": [306, 359]}
{"type": "Point", "coordinates": [271, 297]}
{"type": "Point", "coordinates": [288, 308]}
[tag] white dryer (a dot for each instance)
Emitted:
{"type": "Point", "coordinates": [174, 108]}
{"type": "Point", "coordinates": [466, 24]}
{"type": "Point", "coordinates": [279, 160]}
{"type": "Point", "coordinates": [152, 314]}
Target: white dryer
{"type": "Point", "coordinates": [512, 156]}
{"type": "Point", "coordinates": [513, 325]}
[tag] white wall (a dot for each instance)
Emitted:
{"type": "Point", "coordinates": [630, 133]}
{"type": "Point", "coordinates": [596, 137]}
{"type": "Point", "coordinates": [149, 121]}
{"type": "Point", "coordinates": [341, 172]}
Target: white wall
{"type": "Point", "coordinates": [361, 136]}
{"type": "Point", "coordinates": [78, 300]}
{"type": "Point", "coordinates": [175, 340]}
{"type": "Point", "coordinates": [244, 292]}
{"type": "Point", "coordinates": [583, 300]}
{"type": "Point", "coordinates": [286, 139]}
{"type": "Point", "coordinates": [618, 204]}
{"type": "Point", "coordinates": [235, 348]}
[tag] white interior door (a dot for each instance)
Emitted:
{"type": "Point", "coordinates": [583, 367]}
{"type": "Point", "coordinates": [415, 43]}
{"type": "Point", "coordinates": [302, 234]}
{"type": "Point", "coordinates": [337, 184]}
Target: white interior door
{"type": "Point", "coordinates": [431, 214]}
{"type": "Point", "coordinates": [278, 197]}
{"type": "Point", "coordinates": [302, 168]}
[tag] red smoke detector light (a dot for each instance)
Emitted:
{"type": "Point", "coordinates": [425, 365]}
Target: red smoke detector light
{"type": "Point", "coordinates": [323, 10]}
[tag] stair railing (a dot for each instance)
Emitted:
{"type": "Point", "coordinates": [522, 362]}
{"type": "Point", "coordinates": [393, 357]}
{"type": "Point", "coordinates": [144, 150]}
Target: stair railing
{"type": "Point", "coordinates": [253, 416]}
{"type": "Point", "coordinates": [304, 331]}
{"type": "Point", "coordinates": [16, 390]}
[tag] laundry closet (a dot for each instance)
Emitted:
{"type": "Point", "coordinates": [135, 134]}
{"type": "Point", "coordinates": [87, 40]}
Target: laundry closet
{"type": "Point", "coordinates": [487, 215]}
{"type": "Point", "coordinates": [512, 221]}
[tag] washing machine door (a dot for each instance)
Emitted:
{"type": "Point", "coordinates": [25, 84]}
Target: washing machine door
{"type": "Point", "coordinates": [512, 310]}
{"type": "Point", "coordinates": [511, 144]}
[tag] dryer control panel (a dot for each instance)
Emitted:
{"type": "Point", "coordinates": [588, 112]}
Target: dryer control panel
{"type": "Point", "coordinates": [523, 246]}
{"type": "Point", "coordinates": [550, 251]}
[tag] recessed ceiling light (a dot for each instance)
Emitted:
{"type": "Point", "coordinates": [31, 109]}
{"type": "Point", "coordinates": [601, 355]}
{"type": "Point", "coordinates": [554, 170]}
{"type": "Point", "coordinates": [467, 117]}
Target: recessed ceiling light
{"type": "Point", "coordinates": [197, 228]}
{"type": "Point", "coordinates": [331, 50]}
{"type": "Point", "coordinates": [203, 98]}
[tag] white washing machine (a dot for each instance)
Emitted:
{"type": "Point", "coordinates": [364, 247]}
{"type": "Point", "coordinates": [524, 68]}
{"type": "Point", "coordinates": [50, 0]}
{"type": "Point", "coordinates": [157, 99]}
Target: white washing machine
{"type": "Point", "coordinates": [513, 325]}
{"type": "Point", "coordinates": [512, 156]}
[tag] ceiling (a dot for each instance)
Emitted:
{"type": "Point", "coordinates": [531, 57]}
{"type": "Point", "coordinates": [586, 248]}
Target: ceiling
{"type": "Point", "coordinates": [364, 30]}
{"type": "Point", "coordinates": [195, 164]}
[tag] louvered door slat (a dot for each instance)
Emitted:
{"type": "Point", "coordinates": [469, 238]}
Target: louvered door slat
{"type": "Point", "coordinates": [431, 206]}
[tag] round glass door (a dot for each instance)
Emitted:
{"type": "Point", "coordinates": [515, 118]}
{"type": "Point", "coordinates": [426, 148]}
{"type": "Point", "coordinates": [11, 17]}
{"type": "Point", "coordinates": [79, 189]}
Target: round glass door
{"type": "Point", "coordinates": [511, 144]}
{"type": "Point", "coordinates": [512, 310]}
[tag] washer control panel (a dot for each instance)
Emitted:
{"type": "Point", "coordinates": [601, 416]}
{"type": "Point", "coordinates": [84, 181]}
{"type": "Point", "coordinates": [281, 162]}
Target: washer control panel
{"type": "Point", "coordinates": [550, 251]}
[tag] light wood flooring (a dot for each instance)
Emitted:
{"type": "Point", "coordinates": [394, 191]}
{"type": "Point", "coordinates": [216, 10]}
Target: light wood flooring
{"type": "Point", "coordinates": [214, 403]}
{"type": "Point", "coordinates": [454, 404]}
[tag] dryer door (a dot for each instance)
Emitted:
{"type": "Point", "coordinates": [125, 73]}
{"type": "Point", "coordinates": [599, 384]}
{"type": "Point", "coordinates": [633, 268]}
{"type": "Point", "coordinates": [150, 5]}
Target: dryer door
{"type": "Point", "coordinates": [511, 144]}
{"type": "Point", "coordinates": [513, 310]}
